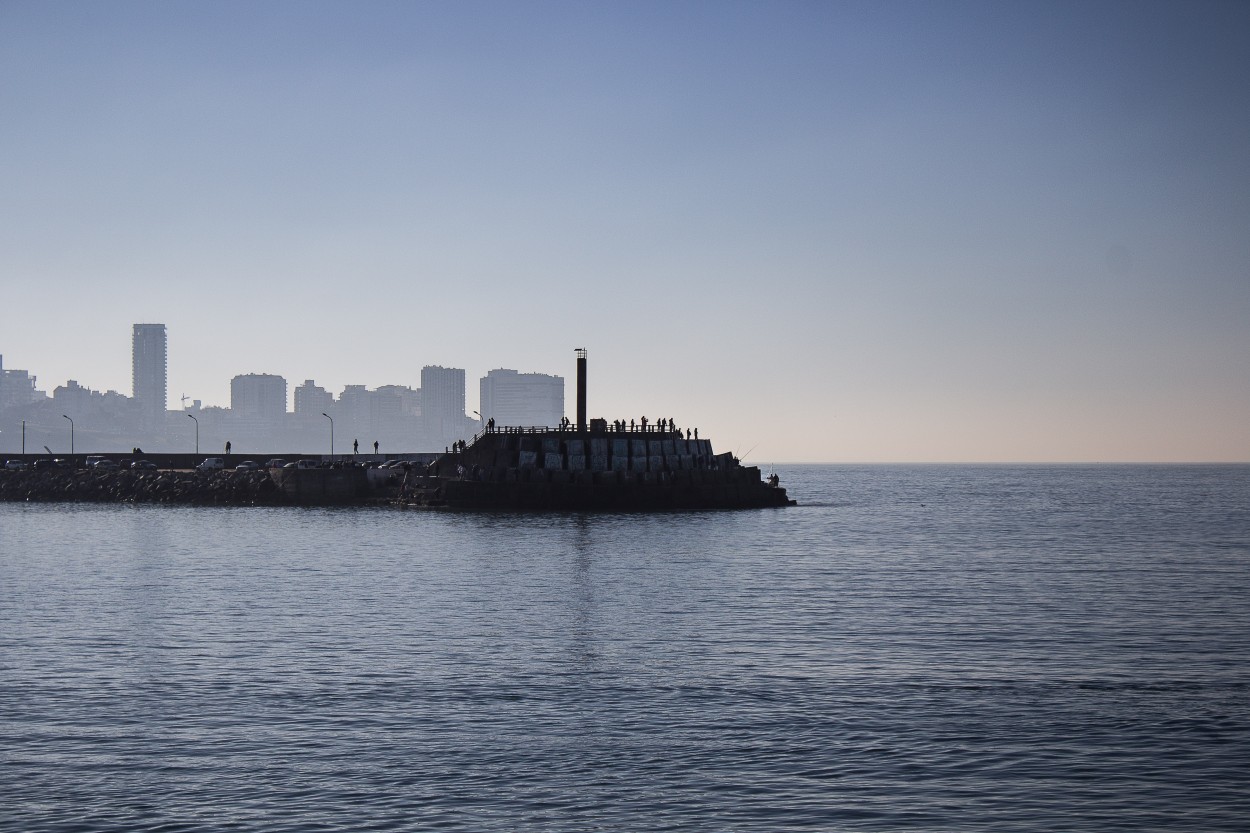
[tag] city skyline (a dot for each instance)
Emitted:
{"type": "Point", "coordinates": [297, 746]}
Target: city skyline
{"type": "Point", "coordinates": [264, 412]}
{"type": "Point", "coordinates": [844, 232]}
{"type": "Point", "coordinates": [146, 378]}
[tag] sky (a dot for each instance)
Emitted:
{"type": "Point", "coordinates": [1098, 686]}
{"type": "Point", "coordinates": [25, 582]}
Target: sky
{"type": "Point", "coordinates": [819, 231]}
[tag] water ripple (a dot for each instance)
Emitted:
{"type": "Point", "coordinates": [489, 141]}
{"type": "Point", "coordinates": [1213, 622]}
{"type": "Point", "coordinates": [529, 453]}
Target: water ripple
{"type": "Point", "coordinates": [923, 648]}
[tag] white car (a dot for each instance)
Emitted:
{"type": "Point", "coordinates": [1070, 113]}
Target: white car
{"type": "Point", "coordinates": [211, 464]}
{"type": "Point", "coordinates": [15, 465]}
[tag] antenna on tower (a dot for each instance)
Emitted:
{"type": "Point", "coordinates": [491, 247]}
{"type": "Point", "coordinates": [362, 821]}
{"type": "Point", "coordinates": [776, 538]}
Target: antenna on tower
{"type": "Point", "coordinates": [184, 401]}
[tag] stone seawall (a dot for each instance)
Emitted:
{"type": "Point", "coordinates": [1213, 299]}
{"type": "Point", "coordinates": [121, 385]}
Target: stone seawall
{"type": "Point", "coordinates": [219, 488]}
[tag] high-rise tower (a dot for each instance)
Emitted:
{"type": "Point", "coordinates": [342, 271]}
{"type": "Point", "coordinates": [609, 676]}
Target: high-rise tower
{"type": "Point", "coordinates": [149, 371]}
{"type": "Point", "coordinates": [442, 404]}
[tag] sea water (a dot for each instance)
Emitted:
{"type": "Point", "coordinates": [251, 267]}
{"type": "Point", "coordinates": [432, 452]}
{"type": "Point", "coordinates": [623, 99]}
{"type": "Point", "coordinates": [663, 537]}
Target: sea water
{"type": "Point", "coordinates": [1030, 648]}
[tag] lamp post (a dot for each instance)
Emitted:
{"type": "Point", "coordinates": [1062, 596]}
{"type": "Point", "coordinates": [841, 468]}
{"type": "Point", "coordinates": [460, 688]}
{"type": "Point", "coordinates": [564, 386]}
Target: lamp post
{"type": "Point", "coordinates": [23, 437]}
{"type": "Point", "coordinates": [71, 435]}
{"type": "Point", "coordinates": [197, 434]}
{"type": "Point", "coordinates": [327, 416]}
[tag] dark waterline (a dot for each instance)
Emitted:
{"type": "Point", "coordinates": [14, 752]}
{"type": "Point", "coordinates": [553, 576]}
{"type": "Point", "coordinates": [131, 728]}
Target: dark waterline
{"type": "Point", "coordinates": [910, 648]}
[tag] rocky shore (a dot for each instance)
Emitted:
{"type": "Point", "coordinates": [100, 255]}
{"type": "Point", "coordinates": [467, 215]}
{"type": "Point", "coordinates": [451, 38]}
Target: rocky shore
{"type": "Point", "coordinates": [192, 488]}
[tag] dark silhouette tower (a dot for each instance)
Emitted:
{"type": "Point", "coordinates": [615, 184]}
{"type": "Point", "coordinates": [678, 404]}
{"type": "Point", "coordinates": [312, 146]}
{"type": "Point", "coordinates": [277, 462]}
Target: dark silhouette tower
{"type": "Point", "coordinates": [581, 389]}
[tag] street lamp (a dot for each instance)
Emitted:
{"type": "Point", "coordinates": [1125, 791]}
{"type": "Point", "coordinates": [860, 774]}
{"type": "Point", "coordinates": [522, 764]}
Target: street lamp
{"type": "Point", "coordinates": [71, 435]}
{"type": "Point", "coordinates": [197, 434]}
{"type": "Point", "coordinates": [327, 416]}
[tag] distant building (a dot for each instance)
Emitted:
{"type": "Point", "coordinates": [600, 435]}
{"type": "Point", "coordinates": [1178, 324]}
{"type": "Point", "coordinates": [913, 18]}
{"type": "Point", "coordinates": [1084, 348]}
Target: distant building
{"type": "Point", "coordinates": [513, 398]}
{"type": "Point", "coordinates": [102, 417]}
{"type": "Point", "coordinates": [442, 405]}
{"type": "Point", "coordinates": [73, 397]}
{"type": "Point", "coordinates": [398, 401]}
{"type": "Point", "coordinates": [357, 411]}
{"type": "Point", "coordinates": [442, 393]}
{"type": "Point", "coordinates": [311, 398]}
{"type": "Point", "coordinates": [258, 396]}
{"type": "Point", "coordinates": [17, 388]}
{"type": "Point", "coordinates": [149, 372]}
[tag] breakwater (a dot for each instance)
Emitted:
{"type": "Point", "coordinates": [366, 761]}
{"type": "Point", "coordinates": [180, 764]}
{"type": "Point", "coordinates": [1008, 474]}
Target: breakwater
{"type": "Point", "coordinates": [603, 469]}
{"type": "Point", "coordinates": [218, 488]}
{"type": "Point", "coordinates": [527, 470]}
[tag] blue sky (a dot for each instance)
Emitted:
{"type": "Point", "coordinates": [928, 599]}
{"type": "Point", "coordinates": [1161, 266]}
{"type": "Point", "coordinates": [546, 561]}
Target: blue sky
{"type": "Point", "coordinates": [825, 231]}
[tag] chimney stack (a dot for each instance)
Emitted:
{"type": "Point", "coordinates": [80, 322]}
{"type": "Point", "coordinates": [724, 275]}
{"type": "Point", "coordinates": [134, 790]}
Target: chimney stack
{"type": "Point", "coordinates": [581, 389]}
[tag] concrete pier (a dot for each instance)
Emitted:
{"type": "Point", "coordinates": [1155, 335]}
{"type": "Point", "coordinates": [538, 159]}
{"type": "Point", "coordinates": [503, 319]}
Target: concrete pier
{"type": "Point", "coordinates": [598, 469]}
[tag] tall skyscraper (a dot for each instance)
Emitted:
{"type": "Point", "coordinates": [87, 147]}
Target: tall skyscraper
{"type": "Point", "coordinates": [442, 404]}
{"type": "Point", "coordinates": [512, 398]}
{"type": "Point", "coordinates": [149, 372]}
{"type": "Point", "coordinates": [442, 393]}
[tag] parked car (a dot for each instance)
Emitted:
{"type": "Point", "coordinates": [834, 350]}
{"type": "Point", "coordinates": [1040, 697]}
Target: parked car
{"type": "Point", "coordinates": [248, 465]}
{"type": "Point", "coordinates": [275, 463]}
{"type": "Point", "coordinates": [143, 465]}
{"type": "Point", "coordinates": [211, 464]}
{"type": "Point", "coordinates": [106, 465]}
{"type": "Point", "coordinates": [15, 465]}
{"type": "Point", "coordinates": [93, 459]}
{"type": "Point", "coordinates": [308, 464]}
{"type": "Point", "coordinates": [48, 464]}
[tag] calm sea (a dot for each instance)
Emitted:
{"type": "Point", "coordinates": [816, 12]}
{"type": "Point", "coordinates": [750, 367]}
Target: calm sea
{"type": "Point", "coordinates": [998, 648]}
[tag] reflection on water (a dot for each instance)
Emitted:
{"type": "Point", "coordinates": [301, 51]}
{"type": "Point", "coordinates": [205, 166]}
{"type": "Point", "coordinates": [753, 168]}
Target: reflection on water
{"type": "Point", "coordinates": [1026, 648]}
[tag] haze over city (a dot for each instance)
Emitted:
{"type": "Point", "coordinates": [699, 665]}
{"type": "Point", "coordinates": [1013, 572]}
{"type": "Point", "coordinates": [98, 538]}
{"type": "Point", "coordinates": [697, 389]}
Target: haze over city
{"type": "Point", "coordinates": [266, 412]}
{"type": "Point", "coordinates": [818, 231]}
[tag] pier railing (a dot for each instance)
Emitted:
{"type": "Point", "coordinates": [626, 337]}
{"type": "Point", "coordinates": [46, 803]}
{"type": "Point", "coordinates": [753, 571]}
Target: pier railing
{"type": "Point", "coordinates": [619, 429]}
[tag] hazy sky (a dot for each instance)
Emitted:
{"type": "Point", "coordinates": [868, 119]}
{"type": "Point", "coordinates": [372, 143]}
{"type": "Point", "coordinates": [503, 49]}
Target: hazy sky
{"type": "Point", "coordinates": [827, 231]}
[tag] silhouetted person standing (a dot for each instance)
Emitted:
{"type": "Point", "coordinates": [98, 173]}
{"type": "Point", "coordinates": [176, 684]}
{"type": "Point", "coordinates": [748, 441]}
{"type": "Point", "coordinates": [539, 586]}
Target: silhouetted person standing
{"type": "Point", "coordinates": [375, 446]}
{"type": "Point", "coordinates": [355, 446]}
